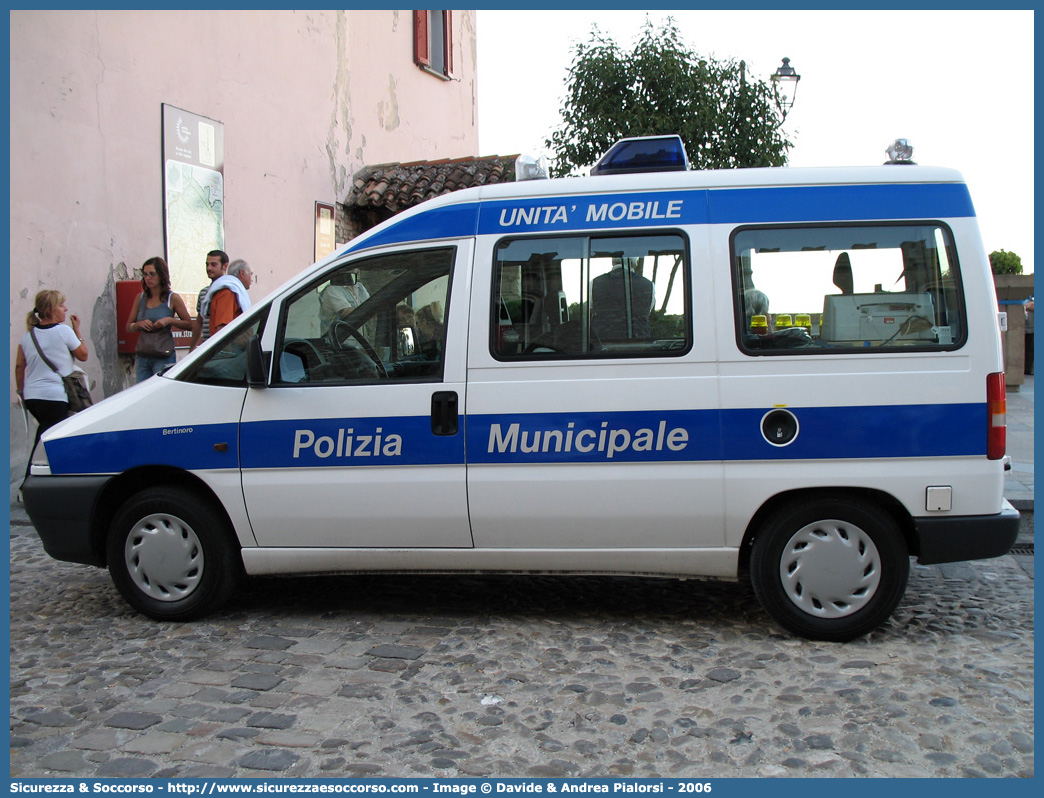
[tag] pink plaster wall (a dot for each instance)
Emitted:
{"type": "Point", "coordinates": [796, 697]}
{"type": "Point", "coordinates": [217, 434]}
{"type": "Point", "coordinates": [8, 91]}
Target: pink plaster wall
{"type": "Point", "coordinates": [306, 99]}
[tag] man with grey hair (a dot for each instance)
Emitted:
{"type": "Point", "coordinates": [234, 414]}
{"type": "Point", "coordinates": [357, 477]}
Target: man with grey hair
{"type": "Point", "coordinates": [228, 297]}
{"type": "Point", "coordinates": [755, 302]}
{"type": "Point", "coordinates": [241, 269]}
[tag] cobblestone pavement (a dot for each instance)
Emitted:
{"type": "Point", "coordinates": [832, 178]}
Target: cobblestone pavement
{"type": "Point", "coordinates": [514, 676]}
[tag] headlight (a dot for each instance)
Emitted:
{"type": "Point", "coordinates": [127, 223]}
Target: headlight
{"type": "Point", "coordinates": [41, 466]}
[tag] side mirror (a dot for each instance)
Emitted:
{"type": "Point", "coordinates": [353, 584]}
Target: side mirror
{"type": "Point", "coordinates": [255, 363]}
{"type": "Point", "coordinates": [406, 343]}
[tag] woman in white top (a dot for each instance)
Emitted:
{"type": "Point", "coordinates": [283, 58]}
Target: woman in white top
{"type": "Point", "coordinates": [40, 387]}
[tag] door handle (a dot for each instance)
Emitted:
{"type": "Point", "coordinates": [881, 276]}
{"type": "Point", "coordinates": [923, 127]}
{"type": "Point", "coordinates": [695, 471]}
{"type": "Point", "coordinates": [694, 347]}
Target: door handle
{"type": "Point", "coordinates": [444, 413]}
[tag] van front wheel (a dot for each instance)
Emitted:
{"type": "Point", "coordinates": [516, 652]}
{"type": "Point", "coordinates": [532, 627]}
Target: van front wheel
{"type": "Point", "coordinates": [170, 554]}
{"type": "Point", "coordinates": [830, 569]}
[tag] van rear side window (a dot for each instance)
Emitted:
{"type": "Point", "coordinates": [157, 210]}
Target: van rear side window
{"type": "Point", "coordinates": [587, 297]}
{"type": "Point", "coordinates": [817, 290]}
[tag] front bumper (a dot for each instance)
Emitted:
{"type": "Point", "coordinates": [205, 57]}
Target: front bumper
{"type": "Point", "coordinates": [61, 509]}
{"type": "Point", "coordinates": [973, 537]}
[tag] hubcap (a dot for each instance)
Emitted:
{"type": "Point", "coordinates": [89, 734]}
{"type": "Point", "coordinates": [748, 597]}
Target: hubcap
{"type": "Point", "coordinates": [830, 569]}
{"type": "Point", "coordinates": [164, 557]}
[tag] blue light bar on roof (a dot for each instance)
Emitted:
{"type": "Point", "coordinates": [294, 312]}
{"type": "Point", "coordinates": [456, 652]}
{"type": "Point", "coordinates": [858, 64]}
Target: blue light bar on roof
{"type": "Point", "coordinates": [645, 154]}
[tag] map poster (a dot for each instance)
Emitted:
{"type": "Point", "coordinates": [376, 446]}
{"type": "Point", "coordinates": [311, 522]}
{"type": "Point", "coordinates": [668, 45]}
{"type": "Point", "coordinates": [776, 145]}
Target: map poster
{"type": "Point", "coordinates": [193, 198]}
{"type": "Point", "coordinates": [325, 230]}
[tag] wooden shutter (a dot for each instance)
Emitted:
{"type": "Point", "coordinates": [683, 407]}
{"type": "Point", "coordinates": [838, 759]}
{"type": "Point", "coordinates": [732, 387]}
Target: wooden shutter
{"type": "Point", "coordinates": [421, 39]}
{"type": "Point", "coordinates": [422, 22]}
{"type": "Point", "coordinates": [447, 18]}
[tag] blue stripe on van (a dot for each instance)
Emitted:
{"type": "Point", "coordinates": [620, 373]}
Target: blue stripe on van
{"type": "Point", "coordinates": [314, 443]}
{"type": "Point", "coordinates": [448, 221]}
{"type": "Point", "coordinates": [840, 203]}
{"type": "Point", "coordinates": [633, 210]}
{"type": "Point", "coordinates": [308, 443]}
{"type": "Point", "coordinates": [693, 435]}
{"type": "Point", "coordinates": [862, 432]}
{"type": "Point", "coordinates": [643, 436]}
{"type": "Point", "coordinates": [191, 448]}
{"type": "Point", "coordinates": [895, 431]}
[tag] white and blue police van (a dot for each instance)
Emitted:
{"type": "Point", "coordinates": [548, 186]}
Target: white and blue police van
{"type": "Point", "coordinates": [792, 376]}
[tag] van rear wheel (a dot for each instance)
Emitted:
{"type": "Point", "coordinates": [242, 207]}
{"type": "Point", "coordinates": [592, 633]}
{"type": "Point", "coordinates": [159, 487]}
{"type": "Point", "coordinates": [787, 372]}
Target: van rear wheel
{"type": "Point", "coordinates": [830, 569]}
{"type": "Point", "coordinates": [171, 556]}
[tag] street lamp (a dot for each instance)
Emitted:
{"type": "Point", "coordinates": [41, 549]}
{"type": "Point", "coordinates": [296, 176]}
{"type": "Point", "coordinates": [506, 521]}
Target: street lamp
{"type": "Point", "coordinates": [785, 79]}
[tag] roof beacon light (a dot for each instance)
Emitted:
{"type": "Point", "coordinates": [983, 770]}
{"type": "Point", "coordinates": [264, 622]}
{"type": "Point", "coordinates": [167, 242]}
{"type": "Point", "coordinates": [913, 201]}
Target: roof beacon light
{"type": "Point", "coordinates": [531, 167]}
{"type": "Point", "coordinates": [645, 154]}
{"type": "Point", "coordinates": [900, 151]}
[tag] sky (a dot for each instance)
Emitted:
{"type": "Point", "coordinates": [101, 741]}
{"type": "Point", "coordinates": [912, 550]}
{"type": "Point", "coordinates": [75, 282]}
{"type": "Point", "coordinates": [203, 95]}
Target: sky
{"type": "Point", "coordinates": [957, 84]}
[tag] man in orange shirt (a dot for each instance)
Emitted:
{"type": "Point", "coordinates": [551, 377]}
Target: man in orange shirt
{"type": "Point", "coordinates": [217, 263]}
{"type": "Point", "coordinates": [227, 297]}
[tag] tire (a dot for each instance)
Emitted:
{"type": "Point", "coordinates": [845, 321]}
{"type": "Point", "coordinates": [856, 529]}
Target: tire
{"type": "Point", "coordinates": [172, 555]}
{"type": "Point", "coordinates": [830, 569]}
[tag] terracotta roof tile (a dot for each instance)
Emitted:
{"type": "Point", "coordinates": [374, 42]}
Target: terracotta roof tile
{"type": "Point", "coordinates": [397, 186]}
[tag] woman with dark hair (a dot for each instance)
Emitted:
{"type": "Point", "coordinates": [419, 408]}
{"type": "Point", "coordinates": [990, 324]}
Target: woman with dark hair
{"type": "Point", "coordinates": [39, 385]}
{"type": "Point", "coordinates": [158, 310]}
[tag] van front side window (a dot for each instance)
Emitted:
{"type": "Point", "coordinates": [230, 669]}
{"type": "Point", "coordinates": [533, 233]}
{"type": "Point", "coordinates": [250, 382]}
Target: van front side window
{"type": "Point", "coordinates": [819, 290]}
{"type": "Point", "coordinates": [372, 320]}
{"type": "Point", "coordinates": [225, 363]}
{"type": "Point", "coordinates": [583, 297]}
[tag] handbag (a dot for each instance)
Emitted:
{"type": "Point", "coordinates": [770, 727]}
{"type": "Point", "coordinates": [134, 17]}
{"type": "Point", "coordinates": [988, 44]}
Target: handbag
{"type": "Point", "coordinates": [76, 390]}
{"type": "Point", "coordinates": [75, 383]}
{"type": "Point", "coordinates": [153, 343]}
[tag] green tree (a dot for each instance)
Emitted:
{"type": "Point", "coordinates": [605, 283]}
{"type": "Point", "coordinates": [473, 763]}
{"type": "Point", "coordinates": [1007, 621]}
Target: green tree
{"type": "Point", "coordinates": [725, 119]}
{"type": "Point", "coordinates": [1002, 262]}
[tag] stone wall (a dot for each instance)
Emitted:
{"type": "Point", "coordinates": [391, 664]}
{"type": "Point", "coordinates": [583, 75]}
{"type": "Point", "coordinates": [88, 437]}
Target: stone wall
{"type": "Point", "coordinates": [1012, 292]}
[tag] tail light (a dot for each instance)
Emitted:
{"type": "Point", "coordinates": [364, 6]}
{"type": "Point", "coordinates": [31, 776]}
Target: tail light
{"type": "Point", "coordinates": [997, 410]}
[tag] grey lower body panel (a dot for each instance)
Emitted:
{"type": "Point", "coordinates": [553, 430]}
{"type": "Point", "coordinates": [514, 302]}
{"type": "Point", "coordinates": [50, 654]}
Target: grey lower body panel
{"type": "Point", "coordinates": [974, 537]}
{"type": "Point", "coordinates": [61, 509]}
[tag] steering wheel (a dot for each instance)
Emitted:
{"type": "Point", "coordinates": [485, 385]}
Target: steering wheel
{"type": "Point", "coordinates": [352, 331]}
